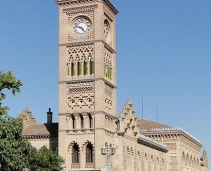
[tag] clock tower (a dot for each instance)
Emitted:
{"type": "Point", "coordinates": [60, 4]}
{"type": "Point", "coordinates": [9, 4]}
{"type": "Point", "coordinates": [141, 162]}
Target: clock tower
{"type": "Point", "coordinates": [87, 81]}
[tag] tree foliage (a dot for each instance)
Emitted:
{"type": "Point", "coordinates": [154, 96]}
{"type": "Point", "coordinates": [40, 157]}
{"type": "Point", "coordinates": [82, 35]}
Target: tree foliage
{"type": "Point", "coordinates": [9, 82]}
{"type": "Point", "coordinates": [16, 153]}
{"type": "Point", "coordinates": [46, 160]}
{"type": "Point", "coordinates": [14, 149]}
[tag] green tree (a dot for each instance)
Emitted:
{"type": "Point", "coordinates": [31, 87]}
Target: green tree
{"type": "Point", "coordinates": [8, 82]}
{"type": "Point", "coordinates": [14, 149]}
{"type": "Point", "coordinates": [16, 152]}
{"type": "Point", "coordinates": [45, 160]}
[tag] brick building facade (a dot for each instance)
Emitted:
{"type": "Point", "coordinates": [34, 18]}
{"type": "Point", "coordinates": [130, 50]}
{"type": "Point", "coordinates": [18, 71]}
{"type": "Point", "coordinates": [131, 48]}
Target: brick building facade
{"type": "Point", "coordinates": [87, 104]}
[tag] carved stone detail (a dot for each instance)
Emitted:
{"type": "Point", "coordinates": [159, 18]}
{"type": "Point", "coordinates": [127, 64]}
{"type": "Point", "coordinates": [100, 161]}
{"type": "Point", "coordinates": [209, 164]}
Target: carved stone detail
{"type": "Point", "coordinates": [80, 96]}
{"type": "Point", "coordinates": [80, 52]}
{"type": "Point", "coordinates": [108, 58]}
{"type": "Point", "coordinates": [108, 90]}
{"type": "Point", "coordinates": [171, 146]}
{"type": "Point", "coordinates": [80, 88]}
{"type": "Point", "coordinates": [173, 163]}
{"type": "Point", "coordinates": [80, 9]}
{"type": "Point", "coordinates": [108, 64]}
{"type": "Point", "coordinates": [108, 98]}
{"type": "Point", "coordinates": [76, 2]}
{"type": "Point", "coordinates": [108, 15]}
{"type": "Point", "coordinates": [80, 60]}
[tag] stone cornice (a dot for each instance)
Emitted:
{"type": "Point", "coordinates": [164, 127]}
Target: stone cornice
{"type": "Point", "coordinates": [110, 6]}
{"type": "Point", "coordinates": [73, 2]}
{"type": "Point", "coordinates": [91, 79]}
{"type": "Point", "coordinates": [93, 112]}
{"type": "Point", "coordinates": [47, 136]}
{"type": "Point", "coordinates": [76, 2]}
{"type": "Point", "coordinates": [152, 143]}
{"type": "Point", "coordinates": [84, 130]}
{"type": "Point", "coordinates": [79, 9]}
{"type": "Point", "coordinates": [174, 131]}
{"type": "Point", "coordinates": [76, 43]}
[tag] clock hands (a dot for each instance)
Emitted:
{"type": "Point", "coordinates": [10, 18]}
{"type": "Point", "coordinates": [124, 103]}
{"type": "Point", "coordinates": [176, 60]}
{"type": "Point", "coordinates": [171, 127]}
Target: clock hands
{"type": "Point", "coordinates": [80, 27]}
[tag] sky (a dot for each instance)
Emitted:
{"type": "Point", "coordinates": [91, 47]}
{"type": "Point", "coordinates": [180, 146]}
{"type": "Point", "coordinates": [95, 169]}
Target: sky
{"type": "Point", "coordinates": [163, 55]}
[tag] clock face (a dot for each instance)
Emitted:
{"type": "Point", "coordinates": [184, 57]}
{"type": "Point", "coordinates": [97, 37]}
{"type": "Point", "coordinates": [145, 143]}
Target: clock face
{"type": "Point", "coordinates": [81, 26]}
{"type": "Point", "coordinates": [106, 29]}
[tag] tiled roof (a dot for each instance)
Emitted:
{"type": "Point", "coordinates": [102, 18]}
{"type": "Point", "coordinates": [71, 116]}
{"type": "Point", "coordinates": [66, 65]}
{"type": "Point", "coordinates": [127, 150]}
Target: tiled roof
{"type": "Point", "coordinates": [41, 129]}
{"type": "Point", "coordinates": [149, 125]}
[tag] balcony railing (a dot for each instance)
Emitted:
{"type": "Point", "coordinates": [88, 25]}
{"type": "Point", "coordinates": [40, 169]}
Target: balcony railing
{"type": "Point", "coordinates": [75, 166]}
{"type": "Point", "coordinates": [89, 165]}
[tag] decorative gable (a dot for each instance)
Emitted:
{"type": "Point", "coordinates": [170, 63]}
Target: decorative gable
{"type": "Point", "coordinates": [27, 117]}
{"type": "Point", "coordinates": [128, 120]}
{"type": "Point", "coordinates": [204, 159]}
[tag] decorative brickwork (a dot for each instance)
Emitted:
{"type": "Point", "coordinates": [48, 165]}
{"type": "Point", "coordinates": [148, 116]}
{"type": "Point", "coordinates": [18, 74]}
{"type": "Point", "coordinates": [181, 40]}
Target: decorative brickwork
{"type": "Point", "coordinates": [80, 95]}
{"type": "Point", "coordinates": [171, 146]}
{"type": "Point", "coordinates": [108, 98]}
{"type": "Point", "coordinates": [76, 10]}
{"type": "Point", "coordinates": [108, 64]}
{"type": "Point", "coordinates": [80, 60]}
{"type": "Point", "coordinates": [173, 163]}
{"type": "Point", "coordinates": [75, 2]}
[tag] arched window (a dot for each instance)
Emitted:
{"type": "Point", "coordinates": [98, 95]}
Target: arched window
{"type": "Point", "coordinates": [72, 69]}
{"type": "Point", "coordinates": [73, 122]}
{"type": "Point", "coordinates": [91, 67]}
{"type": "Point", "coordinates": [82, 122]}
{"type": "Point", "coordinates": [89, 153]}
{"type": "Point", "coordinates": [117, 125]}
{"type": "Point", "coordinates": [68, 69]}
{"type": "Point", "coordinates": [90, 121]}
{"type": "Point", "coordinates": [78, 68]}
{"type": "Point", "coordinates": [75, 153]}
{"type": "Point", "coordinates": [85, 68]}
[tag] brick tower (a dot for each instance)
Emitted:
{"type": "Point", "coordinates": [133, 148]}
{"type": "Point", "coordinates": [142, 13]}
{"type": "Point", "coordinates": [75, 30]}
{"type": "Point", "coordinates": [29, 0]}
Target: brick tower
{"type": "Point", "coordinates": [87, 81]}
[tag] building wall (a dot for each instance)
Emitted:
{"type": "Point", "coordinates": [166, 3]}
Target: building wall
{"type": "Point", "coordinates": [132, 156]}
{"type": "Point", "coordinates": [87, 79]}
{"type": "Point", "coordinates": [38, 143]}
{"type": "Point", "coordinates": [49, 143]}
{"type": "Point", "coordinates": [184, 150]}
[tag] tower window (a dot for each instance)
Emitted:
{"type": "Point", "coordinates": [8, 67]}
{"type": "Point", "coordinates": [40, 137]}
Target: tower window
{"type": "Point", "coordinates": [117, 125]}
{"type": "Point", "coordinates": [72, 69]}
{"type": "Point", "coordinates": [73, 122]}
{"type": "Point", "coordinates": [75, 153]}
{"type": "Point", "coordinates": [89, 153]}
{"type": "Point", "coordinates": [82, 121]}
{"type": "Point", "coordinates": [91, 67]}
{"type": "Point", "coordinates": [85, 68]}
{"type": "Point", "coordinates": [90, 121]}
{"type": "Point", "coordinates": [68, 69]}
{"type": "Point", "coordinates": [78, 68]}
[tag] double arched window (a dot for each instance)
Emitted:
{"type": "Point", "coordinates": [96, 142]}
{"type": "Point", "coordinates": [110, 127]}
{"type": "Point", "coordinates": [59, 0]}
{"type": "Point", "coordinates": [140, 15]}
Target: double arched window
{"type": "Point", "coordinates": [89, 153]}
{"type": "Point", "coordinates": [73, 122]}
{"type": "Point", "coordinates": [75, 153]}
{"type": "Point", "coordinates": [85, 122]}
{"type": "Point", "coordinates": [80, 67]}
{"type": "Point", "coordinates": [90, 122]}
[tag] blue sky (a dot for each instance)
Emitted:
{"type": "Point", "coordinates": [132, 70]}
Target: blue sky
{"type": "Point", "coordinates": [163, 51]}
